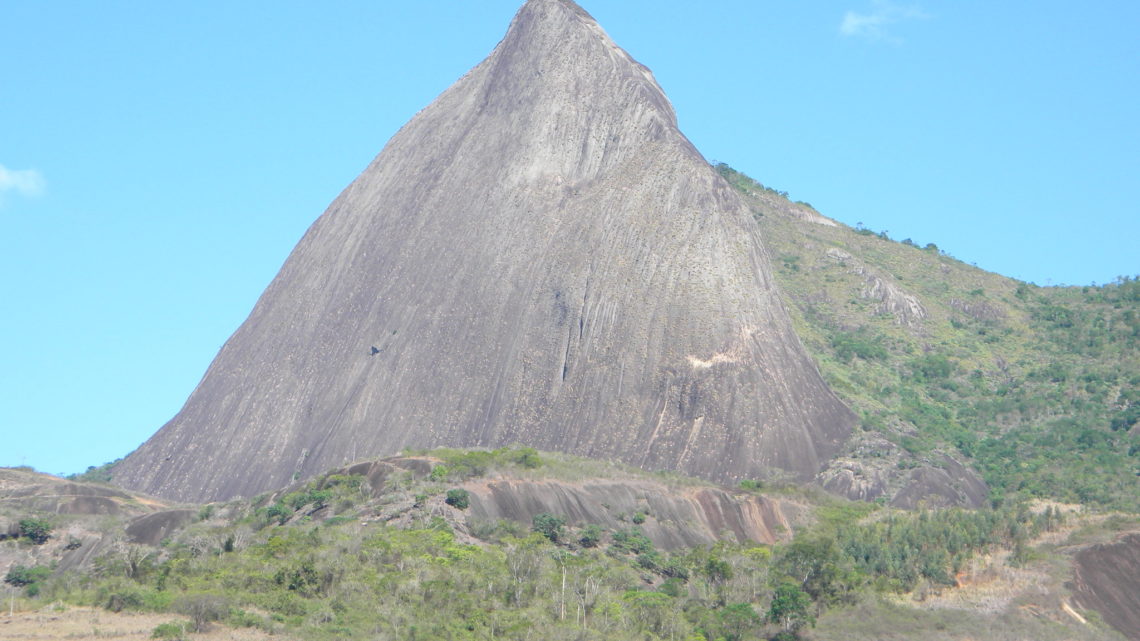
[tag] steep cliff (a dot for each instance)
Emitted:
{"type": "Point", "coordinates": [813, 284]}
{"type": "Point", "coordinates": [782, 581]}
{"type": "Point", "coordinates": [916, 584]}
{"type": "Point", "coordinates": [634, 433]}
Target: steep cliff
{"type": "Point", "coordinates": [539, 256]}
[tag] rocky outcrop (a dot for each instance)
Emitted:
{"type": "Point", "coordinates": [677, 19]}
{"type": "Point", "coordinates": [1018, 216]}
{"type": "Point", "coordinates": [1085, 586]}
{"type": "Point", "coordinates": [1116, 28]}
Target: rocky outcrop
{"type": "Point", "coordinates": [943, 482]}
{"type": "Point", "coordinates": [673, 517]}
{"type": "Point", "coordinates": [538, 257]}
{"type": "Point", "coordinates": [81, 516]}
{"type": "Point", "coordinates": [978, 310]}
{"type": "Point", "coordinates": [1106, 578]}
{"type": "Point", "coordinates": [40, 493]}
{"type": "Point", "coordinates": [151, 529]}
{"type": "Point", "coordinates": [892, 299]}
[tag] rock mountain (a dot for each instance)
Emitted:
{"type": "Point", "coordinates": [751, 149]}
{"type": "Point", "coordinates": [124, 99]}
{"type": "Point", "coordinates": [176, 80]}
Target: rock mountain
{"type": "Point", "coordinates": [537, 257]}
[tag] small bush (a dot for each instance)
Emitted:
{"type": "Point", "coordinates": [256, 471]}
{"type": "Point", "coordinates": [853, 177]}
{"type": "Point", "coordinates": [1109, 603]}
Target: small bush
{"type": "Point", "coordinates": [38, 531]}
{"type": "Point", "coordinates": [338, 520]}
{"type": "Point", "coordinates": [549, 526]}
{"type": "Point", "coordinates": [172, 631]}
{"type": "Point", "coordinates": [458, 498]}
{"type": "Point", "coordinates": [20, 575]}
{"type": "Point", "coordinates": [590, 536]}
{"type": "Point", "coordinates": [202, 609]}
{"type": "Point", "coordinates": [751, 485]}
{"type": "Point", "coordinates": [632, 541]}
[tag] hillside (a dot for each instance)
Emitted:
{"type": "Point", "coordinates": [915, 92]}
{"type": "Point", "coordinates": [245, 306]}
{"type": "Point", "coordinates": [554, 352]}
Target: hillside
{"type": "Point", "coordinates": [1036, 388]}
{"type": "Point", "coordinates": [518, 544]}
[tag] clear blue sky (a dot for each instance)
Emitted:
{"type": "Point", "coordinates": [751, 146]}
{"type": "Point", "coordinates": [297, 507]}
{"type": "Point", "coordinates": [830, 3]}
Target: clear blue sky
{"type": "Point", "coordinates": [158, 160]}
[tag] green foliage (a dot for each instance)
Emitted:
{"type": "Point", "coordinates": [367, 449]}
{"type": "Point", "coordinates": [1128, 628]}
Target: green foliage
{"type": "Point", "coordinates": [590, 536]}
{"type": "Point", "coordinates": [37, 531]}
{"type": "Point", "coordinates": [746, 184]}
{"type": "Point", "coordinates": [752, 485]}
{"type": "Point", "coordinates": [96, 474]}
{"type": "Point", "coordinates": [790, 607]}
{"type": "Point", "coordinates": [171, 631]}
{"type": "Point", "coordinates": [316, 495]}
{"type": "Point", "coordinates": [1031, 386]}
{"type": "Point", "coordinates": [365, 579]}
{"type": "Point", "coordinates": [460, 499]}
{"type": "Point", "coordinates": [21, 576]}
{"type": "Point", "coordinates": [460, 465]}
{"type": "Point", "coordinates": [932, 367]}
{"type": "Point", "coordinates": [631, 541]}
{"type": "Point", "coordinates": [549, 526]}
{"type": "Point", "coordinates": [858, 344]}
{"type": "Point", "coordinates": [819, 567]}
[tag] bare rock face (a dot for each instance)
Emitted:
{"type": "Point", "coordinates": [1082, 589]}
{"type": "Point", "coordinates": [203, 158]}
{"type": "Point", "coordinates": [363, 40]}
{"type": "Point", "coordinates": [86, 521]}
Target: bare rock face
{"type": "Point", "coordinates": [672, 519]}
{"type": "Point", "coordinates": [1106, 578]}
{"type": "Point", "coordinates": [942, 484]}
{"type": "Point", "coordinates": [538, 257]}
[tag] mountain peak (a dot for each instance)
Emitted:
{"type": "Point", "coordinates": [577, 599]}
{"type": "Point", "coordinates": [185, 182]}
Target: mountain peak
{"type": "Point", "coordinates": [558, 76]}
{"type": "Point", "coordinates": [537, 257]}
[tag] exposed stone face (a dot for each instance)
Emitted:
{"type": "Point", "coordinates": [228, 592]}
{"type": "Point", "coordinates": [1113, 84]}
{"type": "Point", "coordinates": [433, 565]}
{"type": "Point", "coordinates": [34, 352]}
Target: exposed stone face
{"type": "Point", "coordinates": [673, 518]}
{"type": "Point", "coordinates": [538, 257]}
{"type": "Point", "coordinates": [1105, 578]}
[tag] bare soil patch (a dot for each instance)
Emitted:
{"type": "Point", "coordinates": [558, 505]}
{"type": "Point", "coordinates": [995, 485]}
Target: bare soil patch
{"type": "Point", "coordinates": [72, 623]}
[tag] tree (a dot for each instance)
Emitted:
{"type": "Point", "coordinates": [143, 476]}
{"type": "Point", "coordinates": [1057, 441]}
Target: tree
{"type": "Point", "coordinates": [790, 607]}
{"type": "Point", "coordinates": [737, 622]}
{"type": "Point", "coordinates": [20, 575]}
{"type": "Point", "coordinates": [549, 526]}
{"type": "Point", "coordinates": [38, 530]}
{"type": "Point", "coordinates": [818, 566]}
{"type": "Point", "coordinates": [718, 572]}
{"type": "Point", "coordinates": [202, 609]}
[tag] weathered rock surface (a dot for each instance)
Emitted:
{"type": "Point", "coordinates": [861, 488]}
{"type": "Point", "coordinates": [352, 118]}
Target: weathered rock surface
{"type": "Point", "coordinates": [1106, 578]}
{"type": "Point", "coordinates": [540, 257]}
{"type": "Point", "coordinates": [942, 483]}
{"type": "Point", "coordinates": [76, 539]}
{"type": "Point", "coordinates": [675, 515]}
{"type": "Point", "coordinates": [151, 529]}
{"type": "Point", "coordinates": [673, 518]}
{"type": "Point", "coordinates": [32, 492]}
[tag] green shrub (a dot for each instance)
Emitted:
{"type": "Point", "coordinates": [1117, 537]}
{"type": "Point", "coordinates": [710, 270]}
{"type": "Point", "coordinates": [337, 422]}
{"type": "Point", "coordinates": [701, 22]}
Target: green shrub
{"type": "Point", "coordinates": [590, 536]}
{"type": "Point", "coordinates": [858, 344]}
{"type": "Point", "coordinates": [528, 458]}
{"type": "Point", "coordinates": [278, 512]}
{"type": "Point", "coordinates": [549, 526]}
{"type": "Point", "coordinates": [172, 631]}
{"type": "Point", "coordinates": [36, 530]}
{"type": "Point", "coordinates": [338, 520]}
{"type": "Point", "coordinates": [458, 498]}
{"type": "Point", "coordinates": [20, 575]}
{"type": "Point", "coordinates": [751, 485]}
{"type": "Point", "coordinates": [632, 541]}
{"type": "Point", "coordinates": [932, 367]}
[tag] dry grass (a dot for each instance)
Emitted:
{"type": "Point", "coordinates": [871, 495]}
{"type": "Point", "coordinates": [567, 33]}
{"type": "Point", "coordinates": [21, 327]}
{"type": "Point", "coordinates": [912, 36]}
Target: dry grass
{"type": "Point", "coordinates": [72, 623]}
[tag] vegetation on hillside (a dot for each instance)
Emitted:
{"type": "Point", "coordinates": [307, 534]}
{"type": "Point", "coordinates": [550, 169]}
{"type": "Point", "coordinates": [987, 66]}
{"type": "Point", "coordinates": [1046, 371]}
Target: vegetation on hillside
{"type": "Point", "coordinates": [1037, 388]}
{"type": "Point", "coordinates": [319, 561]}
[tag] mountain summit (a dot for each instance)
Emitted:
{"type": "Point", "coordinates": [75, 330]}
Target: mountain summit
{"type": "Point", "coordinates": [538, 257]}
